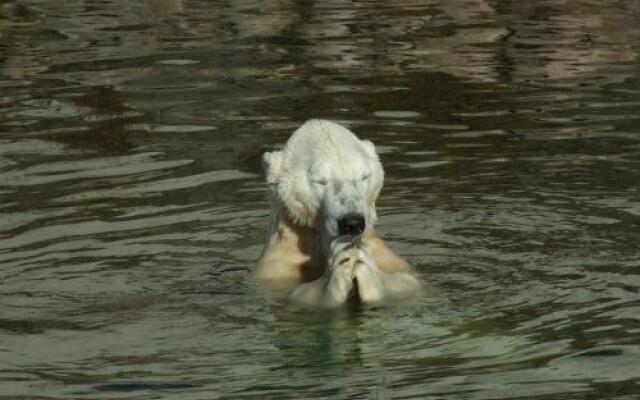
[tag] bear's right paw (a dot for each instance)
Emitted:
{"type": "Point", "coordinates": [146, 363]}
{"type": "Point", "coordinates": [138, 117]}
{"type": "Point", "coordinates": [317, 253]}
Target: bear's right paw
{"type": "Point", "coordinates": [342, 257]}
{"type": "Point", "coordinates": [340, 272]}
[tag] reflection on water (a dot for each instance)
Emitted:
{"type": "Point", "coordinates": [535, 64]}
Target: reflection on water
{"type": "Point", "coordinates": [131, 206]}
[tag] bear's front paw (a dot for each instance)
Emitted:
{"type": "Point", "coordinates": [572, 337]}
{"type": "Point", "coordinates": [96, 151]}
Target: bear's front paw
{"type": "Point", "coordinates": [341, 245]}
{"type": "Point", "coordinates": [340, 272]}
{"type": "Point", "coordinates": [342, 255]}
{"type": "Point", "coordinates": [370, 286]}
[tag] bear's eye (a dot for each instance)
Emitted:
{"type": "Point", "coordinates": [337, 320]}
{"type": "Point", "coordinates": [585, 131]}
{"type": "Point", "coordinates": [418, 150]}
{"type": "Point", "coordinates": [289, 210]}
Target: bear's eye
{"type": "Point", "coordinates": [320, 181]}
{"type": "Point", "coordinates": [365, 177]}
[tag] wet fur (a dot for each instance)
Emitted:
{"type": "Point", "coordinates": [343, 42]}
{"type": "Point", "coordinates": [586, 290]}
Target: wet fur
{"type": "Point", "coordinates": [304, 253]}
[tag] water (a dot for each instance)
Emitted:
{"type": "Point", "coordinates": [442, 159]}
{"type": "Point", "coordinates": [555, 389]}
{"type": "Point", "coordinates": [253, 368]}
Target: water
{"type": "Point", "coordinates": [132, 207]}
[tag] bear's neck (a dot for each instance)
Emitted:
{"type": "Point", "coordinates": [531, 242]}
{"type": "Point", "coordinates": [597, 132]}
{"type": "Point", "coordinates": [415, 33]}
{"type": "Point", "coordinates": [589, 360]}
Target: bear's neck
{"type": "Point", "coordinates": [308, 240]}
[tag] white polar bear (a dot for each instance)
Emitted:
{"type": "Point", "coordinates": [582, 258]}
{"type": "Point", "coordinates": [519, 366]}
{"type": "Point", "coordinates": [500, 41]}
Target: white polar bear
{"type": "Point", "coordinates": [321, 244]}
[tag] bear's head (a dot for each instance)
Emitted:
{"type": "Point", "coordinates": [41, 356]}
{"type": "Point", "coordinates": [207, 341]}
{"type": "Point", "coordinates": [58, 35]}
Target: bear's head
{"type": "Point", "coordinates": [326, 178]}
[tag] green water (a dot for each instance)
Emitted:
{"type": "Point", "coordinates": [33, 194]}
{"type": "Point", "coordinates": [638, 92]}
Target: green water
{"type": "Point", "coordinates": [132, 209]}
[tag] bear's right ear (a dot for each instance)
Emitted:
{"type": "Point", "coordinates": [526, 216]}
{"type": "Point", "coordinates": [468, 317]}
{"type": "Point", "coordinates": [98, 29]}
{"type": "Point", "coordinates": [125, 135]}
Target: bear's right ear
{"type": "Point", "coordinates": [370, 148]}
{"type": "Point", "coordinates": [271, 165]}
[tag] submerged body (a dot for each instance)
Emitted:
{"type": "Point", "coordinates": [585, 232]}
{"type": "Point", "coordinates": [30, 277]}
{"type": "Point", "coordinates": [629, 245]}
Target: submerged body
{"type": "Point", "coordinates": [321, 243]}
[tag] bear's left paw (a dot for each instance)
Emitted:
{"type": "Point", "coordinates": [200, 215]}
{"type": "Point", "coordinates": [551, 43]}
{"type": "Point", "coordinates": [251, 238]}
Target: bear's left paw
{"type": "Point", "coordinates": [370, 286]}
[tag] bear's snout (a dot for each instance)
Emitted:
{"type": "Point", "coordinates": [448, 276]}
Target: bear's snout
{"type": "Point", "coordinates": [351, 224]}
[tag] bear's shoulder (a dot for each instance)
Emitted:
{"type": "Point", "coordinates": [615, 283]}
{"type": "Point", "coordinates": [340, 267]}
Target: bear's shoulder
{"type": "Point", "coordinates": [387, 260]}
{"type": "Point", "coordinates": [292, 253]}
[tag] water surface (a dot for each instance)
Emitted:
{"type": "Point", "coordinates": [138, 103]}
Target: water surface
{"type": "Point", "coordinates": [132, 207]}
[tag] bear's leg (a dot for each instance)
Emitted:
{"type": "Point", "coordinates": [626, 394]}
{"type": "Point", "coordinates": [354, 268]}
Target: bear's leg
{"type": "Point", "coordinates": [401, 284]}
{"type": "Point", "coordinates": [375, 284]}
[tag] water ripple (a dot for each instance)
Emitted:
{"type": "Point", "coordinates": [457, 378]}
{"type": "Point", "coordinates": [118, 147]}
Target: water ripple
{"type": "Point", "coordinates": [132, 210]}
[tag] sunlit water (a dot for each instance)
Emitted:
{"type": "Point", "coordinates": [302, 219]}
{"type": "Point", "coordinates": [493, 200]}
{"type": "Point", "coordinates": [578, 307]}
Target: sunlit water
{"type": "Point", "coordinates": [132, 209]}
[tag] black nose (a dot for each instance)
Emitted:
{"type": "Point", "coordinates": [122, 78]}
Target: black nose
{"type": "Point", "coordinates": [351, 224]}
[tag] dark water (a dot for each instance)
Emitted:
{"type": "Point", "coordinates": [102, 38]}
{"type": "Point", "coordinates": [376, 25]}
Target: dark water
{"type": "Point", "coordinates": [131, 206]}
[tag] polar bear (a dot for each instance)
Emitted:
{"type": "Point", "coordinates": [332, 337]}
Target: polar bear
{"type": "Point", "coordinates": [321, 244]}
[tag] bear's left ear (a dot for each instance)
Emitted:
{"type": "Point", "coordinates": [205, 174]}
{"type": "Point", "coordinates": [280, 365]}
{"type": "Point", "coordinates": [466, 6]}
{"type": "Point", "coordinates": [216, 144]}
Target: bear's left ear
{"type": "Point", "coordinates": [369, 148]}
{"type": "Point", "coordinates": [377, 177]}
{"type": "Point", "coordinates": [271, 165]}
